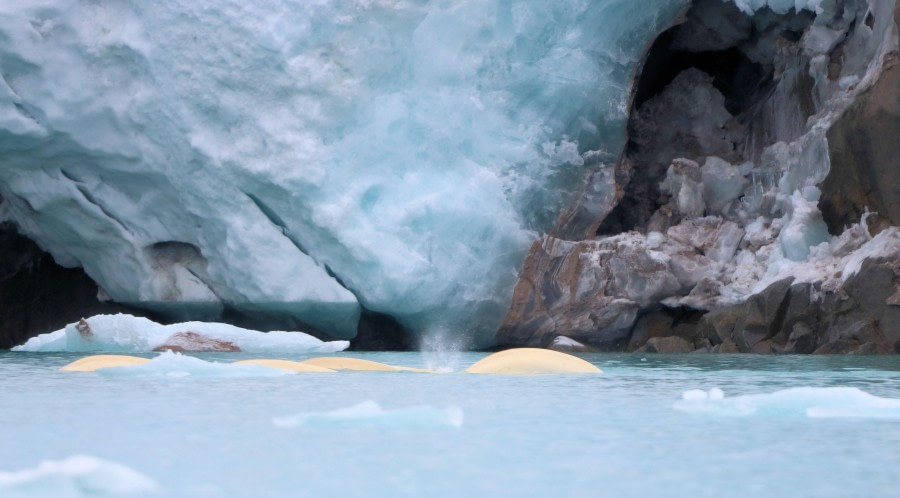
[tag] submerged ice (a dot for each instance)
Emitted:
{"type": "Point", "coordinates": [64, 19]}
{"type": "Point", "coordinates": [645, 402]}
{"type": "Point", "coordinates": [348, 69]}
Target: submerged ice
{"type": "Point", "coordinates": [75, 477]}
{"type": "Point", "coordinates": [370, 414]}
{"type": "Point", "coordinates": [309, 159]}
{"type": "Point", "coordinates": [175, 365]}
{"type": "Point", "coordinates": [813, 402]}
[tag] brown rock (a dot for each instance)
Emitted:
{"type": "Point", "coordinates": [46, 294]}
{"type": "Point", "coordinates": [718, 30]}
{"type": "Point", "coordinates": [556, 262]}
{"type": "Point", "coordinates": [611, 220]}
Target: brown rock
{"type": "Point", "coordinates": [195, 342]}
{"type": "Point", "coordinates": [762, 315]}
{"type": "Point", "coordinates": [802, 340]}
{"type": "Point", "coordinates": [762, 347]}
{"type": "Point", "coordinates": [894, 300]}
{"type": "Point", "coordinates": [862, 337]}
{"type": "Point", "coordinates": [869, 349]}
{"type": "Point", "coordinates": [83, 328]}
{"type": "Point", "coordinates": [727, 347]}
{"type": "Point", "coordinates": [867, 294]}
{"type": "Point", "coordinates": [717, 325]}
{"type": "Point", "coordinates": [864, 147]}
{"type": "Point", "coordinates": [666, 345]}
{"type": "Point", "coordinates": [590, 291]}
{"type": "Point", "coordinates": [655, 324]}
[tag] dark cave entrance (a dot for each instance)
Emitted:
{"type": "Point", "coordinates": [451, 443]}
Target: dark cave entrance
{"type": "Point", "coordinates": [738, 53]}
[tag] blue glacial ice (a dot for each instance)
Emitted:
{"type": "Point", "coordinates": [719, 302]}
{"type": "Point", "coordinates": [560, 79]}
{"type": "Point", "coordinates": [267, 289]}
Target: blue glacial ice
{"type": "Point", "coordinates": [309, 158]}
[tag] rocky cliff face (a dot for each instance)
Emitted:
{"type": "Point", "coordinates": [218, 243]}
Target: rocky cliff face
{"type": "Point", "coordinates": [760, 144]}
{"type": "Point", "coordinates": [864, 148]}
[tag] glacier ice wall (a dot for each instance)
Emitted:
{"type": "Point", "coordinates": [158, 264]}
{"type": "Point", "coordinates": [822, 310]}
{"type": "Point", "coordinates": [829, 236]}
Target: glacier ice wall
{"type": "Point", "coordinates": [309, 158]}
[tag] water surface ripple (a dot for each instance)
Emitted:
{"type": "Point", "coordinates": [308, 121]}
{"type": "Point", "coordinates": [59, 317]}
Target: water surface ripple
{"type": "Point", "coordinates": [629, 432]}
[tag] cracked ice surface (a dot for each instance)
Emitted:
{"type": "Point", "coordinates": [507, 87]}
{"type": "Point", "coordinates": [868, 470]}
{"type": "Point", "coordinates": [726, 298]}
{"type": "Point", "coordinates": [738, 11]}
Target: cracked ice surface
{"type": "Point", "coordinates": [308, 157]}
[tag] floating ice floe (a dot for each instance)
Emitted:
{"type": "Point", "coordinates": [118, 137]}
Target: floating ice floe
{"type": "Point", "coordinates": [74, 477]}
{"type": "Point", "coordinates": [371, 414]}
{"type": "Point", "coordinates": [129, 334]}
{"type": "Point", "coordinates": [813, 402]}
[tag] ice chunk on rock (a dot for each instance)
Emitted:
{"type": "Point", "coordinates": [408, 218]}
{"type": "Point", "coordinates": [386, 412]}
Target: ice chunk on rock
{"type": "Point", "coordinates": [714, 237]}
{"type": "Point", "coordinates": [723, 183]}
{"type": "Point", "coordinates": [129, 334]}
{"type": "Point", "coordinates": [684, 183]}
{"type": "Point", "coordinates": [806, 227]}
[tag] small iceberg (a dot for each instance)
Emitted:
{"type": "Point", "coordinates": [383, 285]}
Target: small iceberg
{"type": "Point", "coordinates": [74, 477]}
{"type": "Point", "coordinates": [124, 333]}
{"type": "Point", "coordinates": [813, 402]}
{"type": "Point", "coordinates": [370, 414]}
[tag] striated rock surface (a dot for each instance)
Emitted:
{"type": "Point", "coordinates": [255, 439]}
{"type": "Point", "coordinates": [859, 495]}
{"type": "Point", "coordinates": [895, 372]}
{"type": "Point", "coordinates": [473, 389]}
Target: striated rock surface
{"type": "Point", "coordinates": [588, 291]}
{"type": "Point", "coordinates": [195, 342]}
{"type": "Point", "coordinates": [671, 344]}
{"type": "Point", "coordinates": [864, 147]}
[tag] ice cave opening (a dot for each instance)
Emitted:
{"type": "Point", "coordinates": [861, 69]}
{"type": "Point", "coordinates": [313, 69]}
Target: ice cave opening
{"type": "Point", "coordinates": [709, 79]}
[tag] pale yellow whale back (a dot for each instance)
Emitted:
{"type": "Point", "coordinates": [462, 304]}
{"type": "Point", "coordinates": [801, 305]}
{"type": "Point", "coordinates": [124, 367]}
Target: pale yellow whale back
{"type": "Point", "coordinates": [96, 362]}
{"type": "Point", "coordinates": [532, 361]}
{"type": "Point", "coordinates": [293, 366]}
{"type": "Point", "coordinates": [344, 363]}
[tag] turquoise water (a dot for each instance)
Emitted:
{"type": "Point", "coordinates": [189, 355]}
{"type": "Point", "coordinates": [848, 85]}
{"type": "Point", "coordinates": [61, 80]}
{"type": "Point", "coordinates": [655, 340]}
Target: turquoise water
{"type": "Point", "coordinates": [195, 429]}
